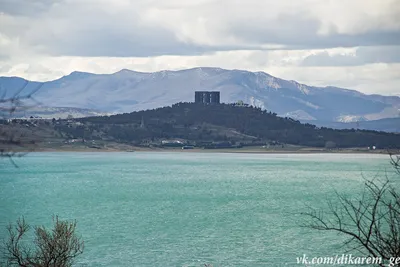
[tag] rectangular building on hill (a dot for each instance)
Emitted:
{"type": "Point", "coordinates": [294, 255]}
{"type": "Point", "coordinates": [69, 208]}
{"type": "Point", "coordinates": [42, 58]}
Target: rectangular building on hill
{"type": "Point", "coordinates": [207, 97]}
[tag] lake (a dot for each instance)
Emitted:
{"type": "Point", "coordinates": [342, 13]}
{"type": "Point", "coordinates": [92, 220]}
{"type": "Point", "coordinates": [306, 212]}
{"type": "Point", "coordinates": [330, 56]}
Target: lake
{"type": "Point", "coordinates": [185, 209]}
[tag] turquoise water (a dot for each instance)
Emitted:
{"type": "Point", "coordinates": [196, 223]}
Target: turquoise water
{"type": "Point", "coordinates": [184, 209]}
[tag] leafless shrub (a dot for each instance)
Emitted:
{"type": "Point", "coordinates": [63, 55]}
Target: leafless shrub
{"type": "Point", "coordinates": [395, 161]}
{"type": "Point", "coordinates": [57, 247]}
{"type": "Point", "coordinates": [371, 222]}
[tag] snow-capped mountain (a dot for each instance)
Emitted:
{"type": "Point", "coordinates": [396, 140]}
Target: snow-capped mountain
{"type": "Point", "coordinates": [127, 90]}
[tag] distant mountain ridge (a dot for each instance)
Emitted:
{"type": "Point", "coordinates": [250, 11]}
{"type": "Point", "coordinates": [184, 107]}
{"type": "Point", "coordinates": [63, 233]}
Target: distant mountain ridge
{"type": "Point", "coordinates": [45, 112]}
{"type": "Point", "coordinates": [385, 125]}
{"type": "Point", "coordinates": [126, 91]}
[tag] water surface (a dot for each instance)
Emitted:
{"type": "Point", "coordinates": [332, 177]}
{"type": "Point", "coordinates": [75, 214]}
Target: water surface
{"type": "Point", "coordinates": [184, 209]}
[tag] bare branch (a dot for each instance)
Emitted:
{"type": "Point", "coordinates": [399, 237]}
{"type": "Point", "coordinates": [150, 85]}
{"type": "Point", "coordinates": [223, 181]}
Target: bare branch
{"type": "Point", "coordinates": [57, 247]}
{"type": "Point", "coordinates": [371, 222]}
{"type": "Point", "coordinates": [12, 138]}
{"type": "Point", "coordinates": [395, 161]}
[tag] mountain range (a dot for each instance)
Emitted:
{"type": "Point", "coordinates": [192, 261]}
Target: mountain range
{"type": "Point", "coordinates": [127, 91]}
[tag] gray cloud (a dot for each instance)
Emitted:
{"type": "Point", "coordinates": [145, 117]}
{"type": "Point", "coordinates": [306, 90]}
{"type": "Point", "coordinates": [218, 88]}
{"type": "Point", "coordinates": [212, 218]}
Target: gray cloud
{"type": "Point", "coordinates": [4, 57]}
{"type": "Point", "coordinates": [121, 28]}
{"type": "Point", "coordinates": [364, 55]}
{"type": "Point", "coordinates": [300, 31]}
{"type": "Point", "coordinates": [5, 68]}
{"type": "Point", "coordinates": [26, 7]}
{"type": "Point", "coordinates": [92, 31]}
{"type": "Point", "coordinates": [115, 43]}
{"type": "Point", "coordinates": [110, 41]}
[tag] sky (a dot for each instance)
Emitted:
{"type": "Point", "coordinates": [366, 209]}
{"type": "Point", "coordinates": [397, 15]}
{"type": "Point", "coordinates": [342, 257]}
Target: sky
{"type": "Point", "coordinates": [345, 43]}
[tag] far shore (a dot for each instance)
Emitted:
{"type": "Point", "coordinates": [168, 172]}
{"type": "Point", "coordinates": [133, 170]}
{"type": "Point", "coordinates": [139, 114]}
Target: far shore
{"type": "Point", "coordinates": [249, 150]}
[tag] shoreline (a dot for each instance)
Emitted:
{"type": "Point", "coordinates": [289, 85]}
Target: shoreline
{"type": "Point", "coordinates": [200, 150]}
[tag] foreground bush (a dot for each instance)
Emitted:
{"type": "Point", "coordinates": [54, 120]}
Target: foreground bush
{"type": "Point", "coordinates": [371, 222]}
{"type": "Point", "coordinates": [57, 247]}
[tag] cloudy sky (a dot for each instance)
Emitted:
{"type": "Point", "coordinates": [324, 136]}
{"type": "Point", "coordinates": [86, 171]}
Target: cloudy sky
{"type": "Point", "coordinates": [347, 43]}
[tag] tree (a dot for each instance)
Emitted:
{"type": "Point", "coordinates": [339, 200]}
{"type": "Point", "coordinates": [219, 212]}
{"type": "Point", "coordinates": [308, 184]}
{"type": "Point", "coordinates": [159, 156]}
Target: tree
{"type": "Point", "coordinates": [371, 222]}
{"type": "Point", "coordinates": [57, 247]}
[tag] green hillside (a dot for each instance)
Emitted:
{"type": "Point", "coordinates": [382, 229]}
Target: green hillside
{"type": "Point", "coordinates": [205, 125]}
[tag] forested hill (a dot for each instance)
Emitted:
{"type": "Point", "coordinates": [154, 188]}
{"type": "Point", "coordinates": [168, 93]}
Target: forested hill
{"type": "Point", "coordinates": [223, 122]}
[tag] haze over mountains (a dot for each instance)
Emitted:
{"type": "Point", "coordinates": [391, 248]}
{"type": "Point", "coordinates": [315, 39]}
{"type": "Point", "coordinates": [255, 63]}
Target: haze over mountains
{"type": "Point", "coordinates": [127, 91]}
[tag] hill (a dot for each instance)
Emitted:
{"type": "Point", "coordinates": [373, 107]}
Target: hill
{"type": "Point", "coordinates": [127, 91]}
{"type": "Point", "coordinates": [222, 124]}
{"type": "Point", "coordinates": [386, 125]}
